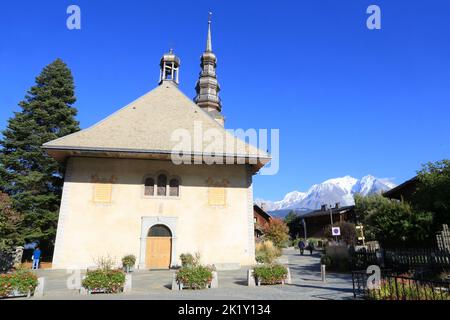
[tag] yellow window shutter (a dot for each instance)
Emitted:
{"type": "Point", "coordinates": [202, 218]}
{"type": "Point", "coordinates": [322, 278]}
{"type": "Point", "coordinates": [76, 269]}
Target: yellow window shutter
{"type": "Point", "coordinates": [102, 192]}
{"type": "Point", "coordinates": [216, 196]}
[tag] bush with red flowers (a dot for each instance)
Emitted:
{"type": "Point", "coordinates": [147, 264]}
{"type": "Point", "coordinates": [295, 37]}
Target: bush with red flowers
{"type": "Point", "coordinates": [18, 283]}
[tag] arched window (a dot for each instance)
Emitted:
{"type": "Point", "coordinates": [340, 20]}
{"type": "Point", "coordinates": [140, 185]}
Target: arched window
{"type": "Point", "coordinates": [162, 185]}
{"type": "Point", "coordinates": [174, 187]}
{"type": "Point", "coordinates": [159, 231]}
{"type": "Point", "coordinates": [149, 189]}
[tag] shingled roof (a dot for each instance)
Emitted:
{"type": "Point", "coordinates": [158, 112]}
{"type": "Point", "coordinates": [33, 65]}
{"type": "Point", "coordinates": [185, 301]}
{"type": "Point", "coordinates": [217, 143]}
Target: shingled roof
{"type": "Point", "coordinates": [144, 128]}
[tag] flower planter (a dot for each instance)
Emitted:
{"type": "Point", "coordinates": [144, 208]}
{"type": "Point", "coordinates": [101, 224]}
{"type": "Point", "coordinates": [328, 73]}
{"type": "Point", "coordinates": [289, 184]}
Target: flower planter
{"type": "Point", "coordinates": [272, 279]}
{"type": "Point", "coordinates": [213, 284]}
{"type": "Point", "coordinates": [17, 294]}
{"type": "Point", "coordinates": [128, 269]}
{"type": "Point", "coordinates": [195, 277]}
{"type": "Point", "coordinates": [102, 291]}
{"type": "Point", "coordinates": [128, 263]}
{"type": "Point", "coordinates": [259, 283]}
{"type": "Point", "coordinates": [104, 282]}
{"type": "Point", "coordinates": [18, 284]}
{"type": "Point", "coordinates": [182, 286]}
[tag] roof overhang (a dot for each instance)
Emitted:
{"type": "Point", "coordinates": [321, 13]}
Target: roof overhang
{"type": "Point", "coordinates": [262, 212]}
{"type": "Point", "coordinates": [61, 154]}
{"type": "Point", "coordinates": [406, 189]}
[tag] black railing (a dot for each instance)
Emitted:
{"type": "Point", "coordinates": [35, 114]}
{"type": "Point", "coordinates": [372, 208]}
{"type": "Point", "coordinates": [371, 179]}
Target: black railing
{"type": "Point", "coordinates": [395, 287]}
{"type": "Point", "coordinates": [363, 259]}
{"type": "Point", "coordinates": [403, 259]}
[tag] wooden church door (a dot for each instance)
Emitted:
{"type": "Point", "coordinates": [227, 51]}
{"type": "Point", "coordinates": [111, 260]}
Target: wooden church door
{"type": "Point", "coordinates": [159, 248]}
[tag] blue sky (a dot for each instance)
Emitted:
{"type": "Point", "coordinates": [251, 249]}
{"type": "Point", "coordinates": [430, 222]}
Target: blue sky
{"type": "Point", "coordinates": [347, 100]}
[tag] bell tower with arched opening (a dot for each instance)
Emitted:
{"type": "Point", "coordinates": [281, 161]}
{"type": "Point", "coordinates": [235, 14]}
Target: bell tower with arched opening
{"type": "Point", "coordinates": [170, 68]}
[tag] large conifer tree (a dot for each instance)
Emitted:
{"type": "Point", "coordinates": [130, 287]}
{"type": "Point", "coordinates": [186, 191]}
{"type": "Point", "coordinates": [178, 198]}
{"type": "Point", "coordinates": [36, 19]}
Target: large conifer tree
{"type": "Point", "coordinates": [32, 178]}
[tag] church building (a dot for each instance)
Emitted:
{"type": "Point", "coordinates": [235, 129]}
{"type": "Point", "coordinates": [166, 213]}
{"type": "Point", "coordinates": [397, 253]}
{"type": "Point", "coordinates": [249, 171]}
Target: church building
{"type": "Point", "coordinates": [124, 194]}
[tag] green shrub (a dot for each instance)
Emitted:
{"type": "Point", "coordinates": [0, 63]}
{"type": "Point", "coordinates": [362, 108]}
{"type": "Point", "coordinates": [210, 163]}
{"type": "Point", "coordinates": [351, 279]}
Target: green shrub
{"type": "Point", "coordinates": [315, 241]}
{"type": "Point", "coordinates": [326, 260]}
{"type": "Point", "coordinates": [295, 242]}
{"type": "Point", "coordinates": [394, 223]}
{"type": "Point", "coordinates": [266, 252]}
{"type": "Point", "coordinates": [406, 290]}
{"type": "Point", "coordinates": [110, 281]}
{"type": "Point", "coordinates": [340, 257]}
{"type": "Point", "coordinates": [21, 281]}
{"type": "Point", "coordinates": [336, 263]}
{"type": "Point", "coordinates": [270, 273]}
{"type": "Point", "coordinates": [195, 277]}
{"type": "Point", "coordinates": [444, 275]}
{"type": "Point", "coordinates": [129, 260]}
{"type": "Point", "coordinates": [187, 260]}
{"type": "Point", "coordinates": [260, 257]}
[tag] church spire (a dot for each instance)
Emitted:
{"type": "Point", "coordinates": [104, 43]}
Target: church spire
{"type": "Point", "coordinates": [208, 87]}
{"type": "Point", "coordinates": [208, 40]}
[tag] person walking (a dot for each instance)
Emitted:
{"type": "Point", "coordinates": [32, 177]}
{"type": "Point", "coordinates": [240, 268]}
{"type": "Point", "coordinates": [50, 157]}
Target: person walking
{"type": "Point", "coordinates": [36, 257]}
{"type": "Point", "coordinates": [301, 246]}
{"type": "Point", "coordinates": [311, 248]}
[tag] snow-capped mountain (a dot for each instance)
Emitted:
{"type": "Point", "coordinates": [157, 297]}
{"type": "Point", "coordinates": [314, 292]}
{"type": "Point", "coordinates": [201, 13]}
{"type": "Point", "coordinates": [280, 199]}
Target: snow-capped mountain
{"type": "Point", "coordinates": [329, 192]}
{"type": "Point", "coordinates": [290, 199]}
{"type": "Point", "coordinates": [369, 185]}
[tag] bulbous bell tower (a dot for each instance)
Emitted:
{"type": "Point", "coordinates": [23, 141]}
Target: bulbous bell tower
{"type": "Point", "coordinates": [208, 87]}
{"type": "Point", "coordinates": [170, 67]}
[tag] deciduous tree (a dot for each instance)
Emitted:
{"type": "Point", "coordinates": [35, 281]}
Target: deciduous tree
{"type": "Point", "coordinates": [277, 231]}
{"type": "Point", "coordinates": [9, 224]}
{"type": "Point", "coordinates": [433, 192]}
{"type": "Point", "coordinates": [394, 223]}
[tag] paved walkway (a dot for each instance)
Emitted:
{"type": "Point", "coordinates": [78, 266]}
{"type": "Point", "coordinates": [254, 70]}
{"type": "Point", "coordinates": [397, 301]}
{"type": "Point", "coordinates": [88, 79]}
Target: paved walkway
{"type": "Point", "coordinates": [305, 273]}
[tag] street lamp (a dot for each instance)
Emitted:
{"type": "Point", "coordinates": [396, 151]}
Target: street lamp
{"type": "Point", "coordinates": [304, 228]}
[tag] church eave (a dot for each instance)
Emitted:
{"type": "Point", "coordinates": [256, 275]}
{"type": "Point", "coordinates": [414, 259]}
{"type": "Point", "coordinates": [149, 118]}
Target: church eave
{"type": "Point", "coordinates": [61, 154]}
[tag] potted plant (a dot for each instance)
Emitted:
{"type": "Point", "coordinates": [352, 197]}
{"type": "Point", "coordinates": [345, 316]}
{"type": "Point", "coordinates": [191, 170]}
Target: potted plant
{"type": "Point", "coordinates": [195, 277]}
{"type": "Point", "coordinates": [192, 275]}
{"type": "Point", "coordinates": [128, 263]}
{"type": "Point", "coordinates": [270, 274]}
{"type": "Point", "coordinates": [104, 279]}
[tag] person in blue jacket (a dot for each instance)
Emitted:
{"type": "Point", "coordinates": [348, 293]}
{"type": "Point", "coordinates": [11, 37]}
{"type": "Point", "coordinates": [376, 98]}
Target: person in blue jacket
{"type": "Point", "coordinates": [36, 258]}
{"type": "Point", "coordinates": [301, 246]}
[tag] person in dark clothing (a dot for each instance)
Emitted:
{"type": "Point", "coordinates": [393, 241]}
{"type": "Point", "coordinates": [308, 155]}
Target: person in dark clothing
{"type": "Point", "coordinates": [301, 246]}
{"type": "Point", "coordinates": [311, 248]}
{"type": "Point", "coordinates": [36, 258]}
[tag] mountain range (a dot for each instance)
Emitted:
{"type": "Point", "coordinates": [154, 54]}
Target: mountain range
{"type": "Point", "coordinates": [330, 192]}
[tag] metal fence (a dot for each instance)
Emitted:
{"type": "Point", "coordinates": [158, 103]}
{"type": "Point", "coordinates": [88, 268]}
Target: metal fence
{"type": "Point", "coordinates": [417, 258]}
{"type": "Point", "coordinates": [403, 259]}
{"type": "Point", "coordinates": [363, 259]}
{"type": "Point", "coordinates": [396, 287]}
